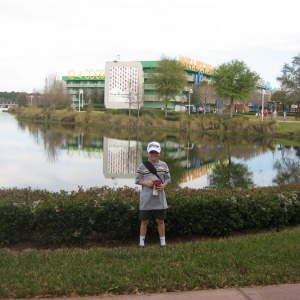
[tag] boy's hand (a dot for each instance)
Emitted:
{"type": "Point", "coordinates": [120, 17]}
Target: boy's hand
{"type": "Point", "coordinates": [150, 183]}
{"type": "Point", "coordinates": [158, 185]}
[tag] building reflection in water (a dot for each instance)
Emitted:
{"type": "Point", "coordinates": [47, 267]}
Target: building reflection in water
{"type": "Point", "coordinates": [193, 162]}
{"type": "Point", "coordinates": [121, 158]}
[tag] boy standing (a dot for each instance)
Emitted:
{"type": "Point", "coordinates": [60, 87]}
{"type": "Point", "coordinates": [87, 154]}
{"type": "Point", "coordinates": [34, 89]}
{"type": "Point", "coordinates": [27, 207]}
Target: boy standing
{"type": "Point", "coordinates": [153, 198]}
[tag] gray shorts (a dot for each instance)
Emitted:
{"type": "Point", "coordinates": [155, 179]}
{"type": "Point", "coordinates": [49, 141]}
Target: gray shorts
{"type": "Point", "coordinates": [157, 214]}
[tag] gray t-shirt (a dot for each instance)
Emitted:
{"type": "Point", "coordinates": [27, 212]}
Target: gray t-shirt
{"type": "Point", "coordinates": [147, 200]}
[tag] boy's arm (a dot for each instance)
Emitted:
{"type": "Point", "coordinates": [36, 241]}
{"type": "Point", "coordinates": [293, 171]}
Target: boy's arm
{"type": "Point", "coordinates": [148, 183]}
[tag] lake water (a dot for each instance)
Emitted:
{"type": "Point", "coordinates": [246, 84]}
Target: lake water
{"type": "Point", "coordinates": [59, 157]}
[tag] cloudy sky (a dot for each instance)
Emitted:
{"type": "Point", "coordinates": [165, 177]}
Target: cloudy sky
{"type": "Point", "coordinates": [45, 37]}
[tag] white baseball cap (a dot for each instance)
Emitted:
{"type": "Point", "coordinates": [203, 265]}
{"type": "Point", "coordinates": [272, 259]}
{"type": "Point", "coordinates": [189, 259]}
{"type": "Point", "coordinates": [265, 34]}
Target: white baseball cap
{"type": "Point", "coordinates": [153, 146]}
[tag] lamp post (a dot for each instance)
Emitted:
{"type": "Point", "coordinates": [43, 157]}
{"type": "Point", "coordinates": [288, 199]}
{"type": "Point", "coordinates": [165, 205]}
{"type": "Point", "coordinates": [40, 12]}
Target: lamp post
{"type": "Point", "coordinates": [80, 92]}
{"type": "Point", "coordinates": [262, 105]}
{"type": "Point", "coordinates": [190, 92]}
{"type": "Point", "coordinates": [117, 58]}
{"type": "Point", "coordinates": [188, 148]}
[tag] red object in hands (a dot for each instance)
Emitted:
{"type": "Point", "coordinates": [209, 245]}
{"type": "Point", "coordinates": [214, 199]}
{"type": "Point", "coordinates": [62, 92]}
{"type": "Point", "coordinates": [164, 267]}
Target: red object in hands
{"type": "Point", "coordinates": [156, 182]}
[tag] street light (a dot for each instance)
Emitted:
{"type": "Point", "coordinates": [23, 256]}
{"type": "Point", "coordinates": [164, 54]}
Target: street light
{"type": "Point", "coordinates": [80, 92]}
{"type": "Point", "coordinates": [188, 151]}
{"type": "Point", "coordinates": [262, 105]}
{"type": "Point", "coordinates": [191, 92]}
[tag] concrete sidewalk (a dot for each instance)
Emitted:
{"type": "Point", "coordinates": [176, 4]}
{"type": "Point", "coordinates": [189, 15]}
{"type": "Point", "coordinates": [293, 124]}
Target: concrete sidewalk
{"type": "Point", "coordinates": [271, 292]}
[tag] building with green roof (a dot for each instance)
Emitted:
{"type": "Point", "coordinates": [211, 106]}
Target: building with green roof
{"type": "Point", "coordinates": [113, 82]}
{"type": "Point", "coordinates": [121, 82]}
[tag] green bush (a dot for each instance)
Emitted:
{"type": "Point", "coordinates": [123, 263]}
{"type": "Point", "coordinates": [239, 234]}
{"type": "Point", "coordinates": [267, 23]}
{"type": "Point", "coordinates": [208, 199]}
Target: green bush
{"type": "Point", "coordinates": [104, 213]}
{"type": "Point", "coordinates": [173, 116]}
{"type": "Point", "coordinates": [98, 106]}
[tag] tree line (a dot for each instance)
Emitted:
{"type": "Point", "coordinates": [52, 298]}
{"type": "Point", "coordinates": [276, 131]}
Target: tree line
{"type": "Point", "coordinates": [9, 96]}
{"type": "Point", "coordinates": [230, 81]}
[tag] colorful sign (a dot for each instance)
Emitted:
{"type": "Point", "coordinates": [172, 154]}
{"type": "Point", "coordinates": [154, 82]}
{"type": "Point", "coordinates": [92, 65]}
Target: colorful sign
{"type": "Point", "coordinates": [195, 64]}
{"type": "Point", "coordinates": [89, 74]}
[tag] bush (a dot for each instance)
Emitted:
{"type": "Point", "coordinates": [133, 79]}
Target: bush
{"type": "Point", "coordinates": [104, 213]}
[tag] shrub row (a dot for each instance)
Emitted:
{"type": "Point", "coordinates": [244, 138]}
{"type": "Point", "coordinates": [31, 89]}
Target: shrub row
{"type": "Point", "coordinates": [104, 213]}
{"type": "Point", "coordinates": [150, 118]}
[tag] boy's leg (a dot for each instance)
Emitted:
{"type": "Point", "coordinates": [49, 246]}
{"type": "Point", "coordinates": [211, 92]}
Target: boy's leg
{"type": "Point", "coordinates": [160, 216]}
{"type": "Point", "coordinates": [161, 227]}
{"type": "Point", "coordinates": [143, 228]}
{"type": "Point", "coordinates": [161, 231]}
{"type": "Point", "coordinates": [143, 231]}
{"type": "Point", "coordinates": [145, 216]}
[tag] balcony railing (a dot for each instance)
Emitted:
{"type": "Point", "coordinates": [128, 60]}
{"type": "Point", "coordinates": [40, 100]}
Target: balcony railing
{"type": "Point", "coordinates": [188, 77]}
{"type": "Point", "coordinates": [149, 86]}
{"type": "Point", "coordinates": [85, 85]}
{"type": "Point", "coordinates": [147, 75]}
{"type": "Point", "coordinates": [150, 98]}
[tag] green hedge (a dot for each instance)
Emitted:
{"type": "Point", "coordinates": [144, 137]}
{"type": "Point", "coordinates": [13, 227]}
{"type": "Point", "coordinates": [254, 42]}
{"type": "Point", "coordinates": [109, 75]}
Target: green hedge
{"type": "Point", "coordinates": [103, 213]}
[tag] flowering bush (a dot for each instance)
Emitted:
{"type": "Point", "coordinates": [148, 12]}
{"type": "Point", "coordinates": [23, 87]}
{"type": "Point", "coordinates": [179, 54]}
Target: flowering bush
{"type": "Point", "coordinates": [104, 213]}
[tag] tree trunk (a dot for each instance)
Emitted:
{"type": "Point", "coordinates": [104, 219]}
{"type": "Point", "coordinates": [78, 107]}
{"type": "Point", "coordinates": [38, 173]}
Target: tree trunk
{"type": "Point", "coordinates": [231, 107]}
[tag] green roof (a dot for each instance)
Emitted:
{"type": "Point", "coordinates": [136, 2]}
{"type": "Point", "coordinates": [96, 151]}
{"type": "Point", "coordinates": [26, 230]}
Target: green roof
{"type": "Point", "coordinates": [149, 64]}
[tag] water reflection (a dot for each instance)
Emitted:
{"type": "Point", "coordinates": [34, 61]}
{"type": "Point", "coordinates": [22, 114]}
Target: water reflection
{"type": "Point", "coordinates": [230, 175]}
{"type": "Point", "coordinates": [65, 157]}
{"type": "Point", "coordinates": [288, 171]}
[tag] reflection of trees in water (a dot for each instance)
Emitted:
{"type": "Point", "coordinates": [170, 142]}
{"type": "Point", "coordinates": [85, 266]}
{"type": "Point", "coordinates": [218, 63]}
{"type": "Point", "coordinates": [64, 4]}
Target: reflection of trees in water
{"type": "Point", "coordinates": [207, 153]}
{"type": "Point", "coordinates": [227, 174]}
{"type": "Point", "coordinates": [297, 149]}
{"type": "Point", "coordinates": [207, 148]}
{"type": "Point", "coordinates": [231, 175]}
{"type": "Point", "coordinates": [52, 143]}
{"type": "Point", "coordinates": [176, 170]}
{"type": "Point", "coordinates": [21, 126]}
{"type": "Point", "coordinates": [288, 171]}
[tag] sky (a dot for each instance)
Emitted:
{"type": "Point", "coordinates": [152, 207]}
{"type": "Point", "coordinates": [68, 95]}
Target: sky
{"type": "Point", "coordinates": [40, 38]}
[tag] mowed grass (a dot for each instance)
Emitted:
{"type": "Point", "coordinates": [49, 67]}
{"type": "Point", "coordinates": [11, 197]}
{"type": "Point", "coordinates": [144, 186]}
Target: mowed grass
{"type": "Point", "coordinates": [291, 126]}
{"type": "Point", "coordinates": [261, 259]}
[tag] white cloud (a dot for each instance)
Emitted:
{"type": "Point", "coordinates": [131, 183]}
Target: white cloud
{"type": "Point", "coordinates": [39, 38]}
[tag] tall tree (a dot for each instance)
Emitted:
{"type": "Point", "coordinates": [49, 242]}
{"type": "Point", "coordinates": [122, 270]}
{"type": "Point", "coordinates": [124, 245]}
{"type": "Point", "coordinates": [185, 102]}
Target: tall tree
{"type": "Point", "coordinates": [55, 92]}
{"type": "Point", "coordinates": [280, 97]}
{"type": "Point", "coordinates": [22, 101]}
{"type": "Point", "coordinates": [290, 79]}
{"type": "Point", "coordinates": [204, 93]}
{"type": "Point", "coordinates": [96, 96]}
{"type": "Point", "coordinates": [169, 78]}
{"type": "Point", "coordinates": [135, 96]}
{"type": "Point", "coordinates": [234, 80]}
{"type": "Point", "coordinates": [255, 99]}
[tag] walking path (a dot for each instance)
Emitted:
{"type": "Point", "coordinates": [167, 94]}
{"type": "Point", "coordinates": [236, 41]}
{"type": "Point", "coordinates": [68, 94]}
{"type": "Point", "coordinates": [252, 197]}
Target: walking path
{"type": "Point", "coordinates": [271, 292]}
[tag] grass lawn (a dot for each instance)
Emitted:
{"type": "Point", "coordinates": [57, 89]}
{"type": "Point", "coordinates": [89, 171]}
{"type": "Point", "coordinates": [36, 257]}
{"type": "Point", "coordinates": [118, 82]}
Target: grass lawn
{"type": "Point", "coordinates": [245, 260]}
{"type": "Point", "coordinates": [289, 128]}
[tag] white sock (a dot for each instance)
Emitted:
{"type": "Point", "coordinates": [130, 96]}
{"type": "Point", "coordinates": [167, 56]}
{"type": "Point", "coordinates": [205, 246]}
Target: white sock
{"type": "Point", "coordinates": [162, 241]}
{"type": "Point", "coordinates": [142, 240]}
